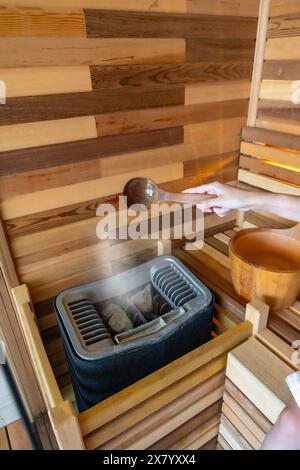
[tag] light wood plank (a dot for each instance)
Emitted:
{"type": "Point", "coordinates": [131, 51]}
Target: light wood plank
{"type": "Point", "coordinates": [267, 183]}
{"type": "Point", "coordinates": [213, 129]}
{"type": "Point", "coordinates": [281, 90]}
{"type": "Point", "coordinates": [27, 52]}
{"type": "Point", "coordinates": [18, 438]}
{"type": "Point", "coordinates": [45, 80]}
{"type": "Point", "coordinates": [277, 139]}
{"type": "Point", "coordinates": [66, 427]}
{"type": "Point", "coordinates": [235, 438]}
{"type": "Point", "coordinates": [280, 125]}
{"type": "Point", "coordinates": [208, 432]}
{"type": "Point", "coordinates": [283, 48]}
{"type": "Point", "coordinates": [260, 45]}
{"type": "Point", "coordinates": [263, 152]}
{"type": "Point", "coordinates": [52, 198]}
{"type": "Point", "coordinates": [269, 168]}
{"type": "Point", "coordinates": [284, 7]}
{"type": "Point", "coordinates": [166, 6]}
{"type": "Point", "coordinates": [36, 134]}
{"type": "Point", "coordinates": [263, 381]}
{"type": "Point", "coordinates": [215, 254]}
{"type": "Point", "coordinates": [217, 92]}
{"type": "Point", "coordinates": [224, 7]}
{"type": "Point", "coordinates": [296, 307]}
{"type": "Point", "coordinates": [284, 26]}
{"type": "Point", "coordinates": [37, 23]}
{"type": "Point", "coordinates": [279, 347]}
{"type": "Point", "coordinates": [222, 237]}
{"type": "Point", "coordinates": [223, 443]}
{"type": "Point", "coordinates": [237, 422]}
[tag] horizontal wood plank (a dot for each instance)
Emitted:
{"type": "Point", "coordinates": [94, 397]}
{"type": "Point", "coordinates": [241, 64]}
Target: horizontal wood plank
{"type": "Point", "coordinates": [277, 124]}
{"type": "Point", "coordinates": [268, 169]}
{"type": "Point", "coordinates": [37, 23]}
{"type": "Point", "coordinates": [155, 75]}
{"type": "Point", "coordinates": [112, 24]}
{"type": "Point", "coordinates": [281, 70]}
{"type": "Point", "coordinates": [284, 26]}
{"type": "Point", "coordinates": [59, 106]}
{"type": "Point", "coordinates": [264, 152]}
{"type": "Point", "coordinates": [28, 52]}
{"type": "Point", "coordinates": [284, 7]}
{"type": "Point", "coordinates": [45, 80]}
{"type": "Point", "coordinates": [219, 50]}
{"type": "Point", "coordinates": [217, 92]}
{"type": "Point", "coordinates": [268, 183]}
{"type": "Point", "coordinates": [124, 122]}
{"type": "Point", "coordinates": [264, 136]}
{"type": "Point", "coordinates": [224, 7]}
{"type": "Point", "coordinates": [283, 48]}
{"type": "Point", "coordinates": [28, 135]}
{"type": "Point", "coordinates": [280, 90]}
{"type": "Point", "coordinates": [286, 110]}
{"type": "Point", "coordinates": [24, 160]}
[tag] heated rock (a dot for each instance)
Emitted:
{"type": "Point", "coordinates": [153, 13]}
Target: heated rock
{"type": "Point", "coordinates": [143, 300]}
{"type": "Point", "coordinates": [117, 318]}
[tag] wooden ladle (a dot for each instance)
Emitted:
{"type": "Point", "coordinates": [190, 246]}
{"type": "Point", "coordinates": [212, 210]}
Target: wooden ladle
{"type": "Point", "coordinates": [143, 191]}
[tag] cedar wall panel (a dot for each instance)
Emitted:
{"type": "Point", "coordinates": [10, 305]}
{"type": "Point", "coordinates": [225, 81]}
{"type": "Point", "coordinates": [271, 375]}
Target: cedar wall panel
{"type": "Point", "coordinates": [96, 95]}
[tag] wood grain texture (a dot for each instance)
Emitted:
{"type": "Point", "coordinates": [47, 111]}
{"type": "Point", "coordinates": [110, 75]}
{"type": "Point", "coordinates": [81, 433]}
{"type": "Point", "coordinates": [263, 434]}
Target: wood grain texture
{"type": "Point", "coordinates": [217, 92]}
{"type": "Point", "coordinates": [18, 161]}
{"type": "Point", "coordinates": [279, 109]}
{"type": "Point", "coordinates": [111, 24]}
{"type": "Point", "coordinates": [59, 106]}
{"type": "Point", "coordinates": [284, 26]}
{"type": "Point", "coordinates": [283, 350]}
{"type": "Point", "coordinates": [38, 23]}
{"type": "Point", "coordinates": [280, 90]}
{"type": "Point", "coordinates": [18, 437]}
{"type": "Point", "coordinates": [4, 442]}
{"type": "Point", "coordinates": [156, 75]}
{"type": "Point", "coordinates": [224, 7]}
{"type": "Point", "coordinates": [20, 136]}
{"type": "Point", "coordinates": [45, 80]}
{"type": "Point", "coordinates": [284, 7]}
{"type": "Point", "coordinates": [219, 50]}
{"type": "Point", "coordinates": [265, 168]}
{"type": "Point", "coordinates": [124, 122]}
{"type": "Point", "coordinates": [283, 48]}
{"type": "Point", "coordinates": [232, 435]}
{"type": "Point", "coordinates": [207, 130]}
{"type": "Point", "coordinates": [29, 52]}
{"type": "Point", "coordinates": [135, 5]}
{"type": "Point", "coordinates": [281, 70]}
{"type": "Point", "coordinates": [59, 197]}
{"type": "Point", "coordinates": [279, 139]}
{"type": "Point", "coordinates": [267, 183]}
{"type": "Point", "coordinates": [280, 125]}
{"type": "Point", "coordinates": [237, 419]}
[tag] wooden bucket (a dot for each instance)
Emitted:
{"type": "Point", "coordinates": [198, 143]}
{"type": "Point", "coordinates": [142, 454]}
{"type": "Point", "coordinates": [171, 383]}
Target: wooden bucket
{"type": "Point", "coordinates": [265, 264]}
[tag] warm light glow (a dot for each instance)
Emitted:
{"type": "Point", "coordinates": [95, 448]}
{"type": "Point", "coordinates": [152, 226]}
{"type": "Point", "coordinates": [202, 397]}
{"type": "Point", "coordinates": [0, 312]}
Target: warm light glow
{"type": "Point", "coordinates": [282, 165]}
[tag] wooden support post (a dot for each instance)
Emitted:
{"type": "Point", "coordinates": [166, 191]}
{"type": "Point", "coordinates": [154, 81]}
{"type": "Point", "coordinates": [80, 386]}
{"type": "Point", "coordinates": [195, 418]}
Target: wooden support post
{"type": "Point", "coordinates": [66, 427]}
{"type": "Point", "coordinates": [164, 247]}
{"type": "Point", "coordinates": [257, 313]}
{"type": "Point", "coordinates": [240, 218]}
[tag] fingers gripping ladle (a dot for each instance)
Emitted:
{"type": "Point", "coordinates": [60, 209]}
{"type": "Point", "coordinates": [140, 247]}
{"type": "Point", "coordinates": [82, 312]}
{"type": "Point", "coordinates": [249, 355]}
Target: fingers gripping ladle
{"type": "Point", "coordinates": [144, 191]}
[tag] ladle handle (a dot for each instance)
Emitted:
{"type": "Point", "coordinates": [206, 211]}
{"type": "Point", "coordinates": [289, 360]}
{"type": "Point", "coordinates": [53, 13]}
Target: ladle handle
{"type": "Point", "coordinates": [185, 198]}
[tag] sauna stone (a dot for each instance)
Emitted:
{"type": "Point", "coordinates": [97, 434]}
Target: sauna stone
{"type": "Point", "coordinates": [117, 318]}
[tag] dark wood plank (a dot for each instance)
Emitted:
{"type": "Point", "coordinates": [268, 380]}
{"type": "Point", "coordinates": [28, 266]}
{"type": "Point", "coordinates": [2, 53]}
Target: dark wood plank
{"type": "Point", "coordinates": [156, 75]}
{"type": "Point", "coordinates": [282, 329]}
{"type": "Point", "coordinates": [281, 70]}
{"type": "Point", "coordinates": [280, 139]}
{"type": "Point", "coordinates": [279, 109]}
{"type": "Point", "coordinates": [24, 160]}
{"type": "Point", "coordinates": [125, 24]}
{"type": "Point", "coordinates": [289, 317]}
{"type": "Point", "coordinates": [4, 443]}
{"type": "Point", "coordinates": [219, 50]}
{"type": "Point", "coordinates": [47, 107]}
{"type": "Point", "coordinates": [284, 26]}
{"type": "Point", "coordinates": [259, 166]}
{"type": "Point", "coordinates": [220, 246]}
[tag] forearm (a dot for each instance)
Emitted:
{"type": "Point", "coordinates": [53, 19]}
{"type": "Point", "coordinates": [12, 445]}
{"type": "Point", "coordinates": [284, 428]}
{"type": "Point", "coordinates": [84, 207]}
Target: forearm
{"type": "Point", "coordinates": [281, 204]}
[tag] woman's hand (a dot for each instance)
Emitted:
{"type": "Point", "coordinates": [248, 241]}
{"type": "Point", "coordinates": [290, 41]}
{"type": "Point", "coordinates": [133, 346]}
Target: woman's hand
{"type": "Point", "coordinates": [228, 197]}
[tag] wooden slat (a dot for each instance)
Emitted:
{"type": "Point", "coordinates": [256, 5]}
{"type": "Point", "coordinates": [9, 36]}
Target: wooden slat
{"type": "Point", "coordinates": [4, 443]}
{"type": "Point", "coordinates": [40, 201]}
{"type": "Point", "coordinates": [224, 7]}
{"type": "Point", "coordinates": [279, 347]}
{"type": "Point", "coordinates": [235, 439]}
{"type": "Point", "coordinates": [28, 52]}
{"type": "Point", "coordinates": [207, 130]}
{"type": "Point", "coordinates": [37, 134]}
{"type": "Point", "coordinates": [258, 166]}
{"type": "Point", "coordinates": [248, 407]}
{"type": "Point", "coordinates": [67, 105]}
{"type": "Point", "coordinates": [262, 382]}
{"type": "Point", "coordinates": [237, 421]}
{"type": "Point", "coordinates": [217, 92]}
{"type": "Point", "coordinates": [288, 110]}
{"type": "Point", "coordinates": [66, 427]}
{"type": "Point", "coordinates": [283, 48]}
{"type": "Point", "coordinates": [34, 81]}
{"type": "Point", "coordinates": [277, 124]}
{"type": "Point", "coordinates": [280, 90]}
{"type": "Point", "coordinates": [265, 182]}
{"type": "Point", "coordinates": [101, 414]}
{"type": "Point", "coordinates": [135, 5]}
{"type": "Point", "coordinates": [279, 139]}
{"type": "Point", "coordinates": [263, 152]}
{"type": "Point", "coordinates": [38, 23]}
{"type": "Point", "coordinates": [209, 430]}
{"type": "Point", "coordinates": [282, 329]}
{"type": "Point", "coordinates": [17, 436]}
{"type": "Point", "coordinates": [157, 118]}
{"type": "Point", "coordinates": [284, 26]}
{"type": "Point", "coordinates": [219, 50]}
{"type": "Point", "coordinates": [111, 24]}
{"type": "Point", "coordinates": [284, 7]}
{"type": "Point", "coordinates": [281, 70]}
{"type": "Point", "coordinates": [156, 75]}
{"type": "Point", "coordinates": [223, 443]}
{"type": "Point", "coordinates": [18, 161]}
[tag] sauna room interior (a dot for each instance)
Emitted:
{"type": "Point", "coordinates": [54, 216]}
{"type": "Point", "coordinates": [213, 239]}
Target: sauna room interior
{"type": "Point", "coordinates": [94, 93]}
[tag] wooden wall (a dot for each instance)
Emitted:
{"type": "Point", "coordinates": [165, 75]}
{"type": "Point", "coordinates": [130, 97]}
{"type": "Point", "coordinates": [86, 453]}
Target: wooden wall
{"type": "Point", "coordinates": [97, 95]}
{"type": "Point", "coordinates": [278, 109]}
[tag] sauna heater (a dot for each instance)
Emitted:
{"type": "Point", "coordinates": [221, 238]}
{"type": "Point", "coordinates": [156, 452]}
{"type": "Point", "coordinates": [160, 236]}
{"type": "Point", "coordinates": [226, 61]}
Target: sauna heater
{"type": "Point", "coordinates": [168, 313]}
